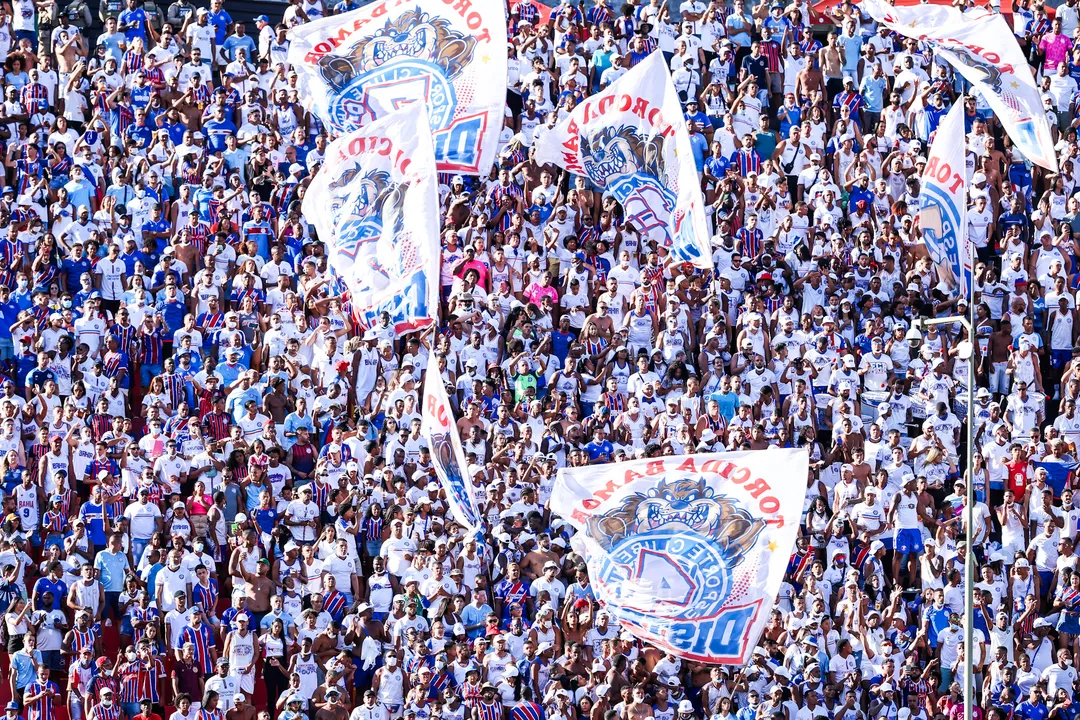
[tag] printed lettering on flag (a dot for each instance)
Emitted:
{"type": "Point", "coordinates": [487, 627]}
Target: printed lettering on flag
{"type": "Point", "coordinates": [943, 203]}
{"type": "Point", "coordinates": [982, 48]}
{"type": "Point", "coordinates": [374, 202]}
{"type": "Point", "coordinates": [438, 427]}
{"type": "Point", "coordinates": [631, 140]}
{"type": "Point", "coordinates": [688, 552]}
{"type": "Point", "coordinates": [363, 65]}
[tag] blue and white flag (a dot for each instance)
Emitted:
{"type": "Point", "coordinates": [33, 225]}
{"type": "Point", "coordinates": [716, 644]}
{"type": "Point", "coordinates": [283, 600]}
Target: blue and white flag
{"type": "Point", "coordinates": [943, 203]}
{"type": "Point", "coordinates": [362, 65]}
{"type": "Point", "coordinates": [631, 141]}
{"type": "Point", "coordinates": [439, 429]}
{"type": "Point", "coordinates": [1059, 475]}
{"type": "Point", "coordinates": [689, 552]}
{"type": "Point", "coordinates": [374, 202]}
{"type": "Point", "coordinates": [980, 46]}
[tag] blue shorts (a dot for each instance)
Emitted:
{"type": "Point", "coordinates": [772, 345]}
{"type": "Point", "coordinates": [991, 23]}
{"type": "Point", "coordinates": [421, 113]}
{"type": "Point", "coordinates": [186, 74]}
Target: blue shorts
{"type": "Point", "coordinates": [909, 541]}
{"type": "Point", "coordinates": [1069, 622]}
{"type": "Point", "coordinates": [1060, 358]}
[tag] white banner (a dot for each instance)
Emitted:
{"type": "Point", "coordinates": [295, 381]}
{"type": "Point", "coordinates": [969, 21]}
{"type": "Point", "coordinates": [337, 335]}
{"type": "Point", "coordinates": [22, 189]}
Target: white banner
{"type": "Point", "coordinates": [688, 552]}
{"type": "Point", "coordinates": [631, 141]}
{"type": "Point", "coordinates": [943, 203]}
{"type": "Point", "coordinates": [451, 57]}
{"type": "Point", "coordinates": [374, 202]}
{"type": "Point", "coordinates": [447, 456]}
{"type": "Point", "coordinates": [983, 49]}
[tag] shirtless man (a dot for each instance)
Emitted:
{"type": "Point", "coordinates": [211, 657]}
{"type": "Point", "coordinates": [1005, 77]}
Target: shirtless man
{"type": "Point", "coordinates": [603, 322]}
{"type": "Point", "coordinates": [472, 418]}
{"type": "Point", "coordinates": [989, 167]}
{"type": "Point", "coordinates": [259, 588]}
{"type": "Point", "coordinates": [998, 356]}
{"type": "Point", "coordinates": [332, 709]}
{"type": "Point", "coordinates": [532, 566]}
{"type": "Point", "coordinates": [638, 709]}
{"type": "Point", "coordinates": [832, 65]}
{"type": "Point", "coordinates": [241, 709]}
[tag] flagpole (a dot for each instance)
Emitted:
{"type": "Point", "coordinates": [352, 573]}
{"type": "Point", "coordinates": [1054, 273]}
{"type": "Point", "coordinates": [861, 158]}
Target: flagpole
{"type": "Point", "coordinates": [969, 501]}
{"type": "Point", "coordinates": [969, 504]}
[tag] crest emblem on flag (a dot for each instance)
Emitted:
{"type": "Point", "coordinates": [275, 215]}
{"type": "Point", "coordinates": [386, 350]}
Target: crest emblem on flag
{"type": "Point", "coordinates": [363, 65]}
{"type": "Point", "coordinates": [652, 536]}
{"type": "Point", "coordinates": [632, 141]}
{"type": "Point", "coordinates": [374, 204]}
{"type": "Point", "coordinates": [688, 552]}
{"type": "Point", "coordinates": [630, 166]}
{"type": "Point", "coordinates": [942, 209]}
{"type": "Point", "coordinates": [414, 51]}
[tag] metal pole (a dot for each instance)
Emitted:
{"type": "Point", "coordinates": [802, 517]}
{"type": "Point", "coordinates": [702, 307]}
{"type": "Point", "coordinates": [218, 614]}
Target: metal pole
{"type": "Point", "coordinates": [968, 323]}
{"type": "Point", "coordinates": [969, 511]}
{"type": "Point", "coordinates": [969, 503]}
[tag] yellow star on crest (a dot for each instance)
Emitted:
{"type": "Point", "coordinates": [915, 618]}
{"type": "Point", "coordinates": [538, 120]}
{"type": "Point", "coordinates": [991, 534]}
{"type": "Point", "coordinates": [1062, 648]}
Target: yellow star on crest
{"type": "Point", "coordinates": [772, 546]}
{"type": "Point", "coordinates": [485, 59]}
{"type": "Point", "coordinates": [1015, 85]}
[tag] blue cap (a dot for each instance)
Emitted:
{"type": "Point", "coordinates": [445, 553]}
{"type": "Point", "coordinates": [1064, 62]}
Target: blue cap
{"type": "Point", "coordinates": [8, 189]}
{"type": "Point", "coordinates": [262, 18]}
{"type": "Point", "coordinates": [579, 256]}
{"type": "Point", "coordinates": [12, 706]}
{"type": "Point", "coordinates": [94, 295]}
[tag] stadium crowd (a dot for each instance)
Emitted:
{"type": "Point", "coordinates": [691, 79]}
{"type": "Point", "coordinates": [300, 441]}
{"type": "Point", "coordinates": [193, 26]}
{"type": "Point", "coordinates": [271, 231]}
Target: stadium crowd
{"type": "Point", "coordinates": [217, 503]}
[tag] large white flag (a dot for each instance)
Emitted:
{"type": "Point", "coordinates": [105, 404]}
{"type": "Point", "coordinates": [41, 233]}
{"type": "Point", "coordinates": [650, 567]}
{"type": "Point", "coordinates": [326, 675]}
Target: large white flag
{"type": "Point", "coordinates": [688, 552]}
{"type": "Point", "coordinates": [374, 202]}
{"type": "Point", "coordinates": [447, 456]}
{"type": "Point", "coordinates": [631, 141]}
{"type": "Point", "coordinates": [451, 57]}
{"type": "Point", "coordinates": [943, 203]}
{"type": "Point", "coordinates": [983, 49]}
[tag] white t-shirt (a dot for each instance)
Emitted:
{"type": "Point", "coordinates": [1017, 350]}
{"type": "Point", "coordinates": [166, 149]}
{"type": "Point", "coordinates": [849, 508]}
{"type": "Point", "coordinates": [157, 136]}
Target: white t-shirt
{"type": "Point", "coordinates": [301, 512]}
{"type": "Point", "coordinates": [171, 582]}
{"type": "Point", "coordinates": [142, 519]}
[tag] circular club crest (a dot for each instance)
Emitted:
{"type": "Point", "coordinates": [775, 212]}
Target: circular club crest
{"type": "Point", "coordinates": [939, 219]}
{"type": "Point", "coordinates": [666, 575]}
{"type": "Point", "coordinates": [381, 91]}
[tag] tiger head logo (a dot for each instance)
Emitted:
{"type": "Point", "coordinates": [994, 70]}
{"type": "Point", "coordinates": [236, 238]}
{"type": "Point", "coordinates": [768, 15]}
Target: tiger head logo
{"type": "Point", "coordinates": [685, 506]}
{"type": "Point", "coordinates": [613, 153]}
{"type": "Point", "coordinates": [413, 35]}
{"type": "Point", "coordinates": [373, 205]}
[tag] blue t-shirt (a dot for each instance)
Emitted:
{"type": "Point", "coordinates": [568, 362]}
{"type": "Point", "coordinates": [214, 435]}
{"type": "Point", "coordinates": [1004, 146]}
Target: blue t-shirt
{"type": "Point", "coordinates": [95, 526]}
{"type": "Point", "coordinates": [1031, 711]}
{"type": "Point", "coordinates": [73, 270]}
{"type": "Point", "coordinates": [216, 132]}
{"type": "Point", "coordinates": [233, 42]}
{"type": "Point", "coordinates": [221, 21]}
{"type": "Point", "coordinates": [596, 449]}
{"type": "Point", "coordinates": [173, 313]}
{"type": "Point", "coordinates": [266, 519]}
{"type": "Point", "coordinates": [141, 134]}
{"type": "Point", "coordinates": [111, 570]}
{"type": "Point", "coordinates": [58, 589]}
{"type": "Point", "coordinates": [137, 19]}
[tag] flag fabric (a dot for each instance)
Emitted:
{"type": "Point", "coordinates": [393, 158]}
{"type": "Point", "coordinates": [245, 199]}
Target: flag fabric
{"type": "Point", "coordinates": [374, 202]}
{"type": "Point", "coordinates": [981, 47]}
{"type": "Point", "coordinates": [943, 203]}
{"type": "Point", "coordinates": [688, 552]}
{"type": "Point", "coordinates": [438, 428]}
{"type": "Point", "coordinates": [1059, 475]}
{"type": "Point", "coordinates": [363, 65]}
{"type": "Point", "coordinates": [632, 142]}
